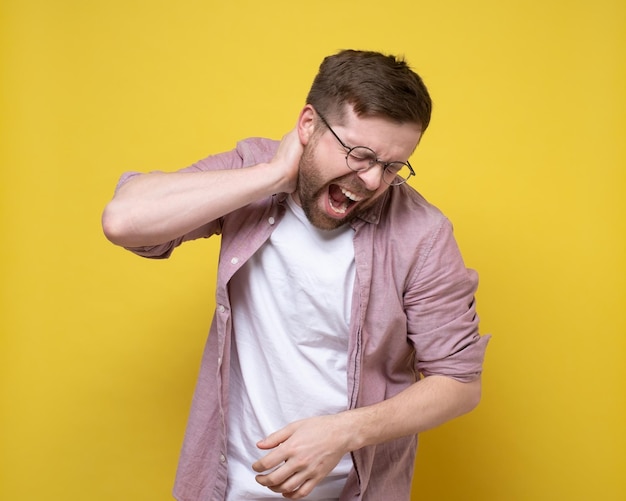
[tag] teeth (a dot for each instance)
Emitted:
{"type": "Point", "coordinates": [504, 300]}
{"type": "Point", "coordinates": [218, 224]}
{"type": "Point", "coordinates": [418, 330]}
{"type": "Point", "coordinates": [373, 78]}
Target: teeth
{"type": "Point", "coordinates": [343, 206]}
{"type": "Point", "coordinates": [351, 195]}
{"type": "Point", "coordinates": [340, 209]}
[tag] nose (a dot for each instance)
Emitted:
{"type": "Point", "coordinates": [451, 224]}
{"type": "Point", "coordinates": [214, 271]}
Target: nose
{"type": "Point", "coordinates": [372, 177]}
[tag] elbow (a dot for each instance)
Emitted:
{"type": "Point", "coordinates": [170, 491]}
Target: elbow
{"type": "Point", "coordinates": [114, 225]}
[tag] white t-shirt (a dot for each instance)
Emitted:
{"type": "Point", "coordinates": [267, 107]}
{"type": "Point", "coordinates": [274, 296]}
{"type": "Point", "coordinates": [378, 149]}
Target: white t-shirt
{"type": "Point", "coordinates": [291, 314]}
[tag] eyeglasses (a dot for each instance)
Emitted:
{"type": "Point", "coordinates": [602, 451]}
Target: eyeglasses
{"type": "Point", "coordinates": [362, 158]}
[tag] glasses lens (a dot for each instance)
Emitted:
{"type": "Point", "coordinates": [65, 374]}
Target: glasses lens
{"type": "Point", "coordinates": [396, 173]}
{"type": "Point", "coordinates": [361, 158]}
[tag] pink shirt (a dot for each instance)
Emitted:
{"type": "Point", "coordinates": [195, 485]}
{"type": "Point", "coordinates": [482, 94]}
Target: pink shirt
{"type": "Point", "coordinates": [413, 312]}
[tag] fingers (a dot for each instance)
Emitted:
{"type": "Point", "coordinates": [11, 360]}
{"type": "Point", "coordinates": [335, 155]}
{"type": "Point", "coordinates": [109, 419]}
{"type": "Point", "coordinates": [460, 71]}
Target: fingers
{"type": "Point", "coordinates": [285, 480]}
{"type": "Point", "coordinates": [294, 477]}
{"type": "Point", "coordinates": [287, 475]}
{"type": "Point", "coordinates": [277, 456]}
{"type": "Point", "coordinates": [303, 454]}
{"type": "Point", "coordinates": [269, 461]}
{"type": "Point", "coordinates": [287, 158]}
{"type": "Point", "coordinates": [301, 492]}
{"type": "Point", "coordinates": [275, 439]}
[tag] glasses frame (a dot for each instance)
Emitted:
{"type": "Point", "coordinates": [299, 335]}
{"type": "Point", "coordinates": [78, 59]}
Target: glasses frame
{"type": "Point", "coordinates": [375, 161]}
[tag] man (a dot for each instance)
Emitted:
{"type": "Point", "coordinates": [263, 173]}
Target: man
{"type": "Point", "coordinates": [345, 320]}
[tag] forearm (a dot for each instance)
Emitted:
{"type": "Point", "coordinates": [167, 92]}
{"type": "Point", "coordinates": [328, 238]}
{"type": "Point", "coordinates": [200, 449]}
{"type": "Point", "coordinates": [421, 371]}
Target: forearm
{"type": "Point", "coordinates": [305, 451]}
{"type": "Point", "coordinates": [155, 208]}
{"type": "Point", "coordinates": [426, 404]}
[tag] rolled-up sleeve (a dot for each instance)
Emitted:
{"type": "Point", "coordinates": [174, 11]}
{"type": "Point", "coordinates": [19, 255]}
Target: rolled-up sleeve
{"type": "Point", "coordinates": [247, 152]}
{"type": "Point", "coordinates": [441, 312]}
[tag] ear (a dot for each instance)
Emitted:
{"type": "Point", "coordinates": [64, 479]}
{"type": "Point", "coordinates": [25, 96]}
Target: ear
{"type": "Point", "coordinates": [306, 124]}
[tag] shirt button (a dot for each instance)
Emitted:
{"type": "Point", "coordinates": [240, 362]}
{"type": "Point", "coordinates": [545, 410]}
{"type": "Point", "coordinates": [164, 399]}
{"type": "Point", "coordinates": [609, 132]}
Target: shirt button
{"type": "Point", "coordinates": [219, 361]}
{"type": "Point", "coordinates": [271, 220]}
{"type": "Point", "coordinates": [234, 260]}
{"type": "Point", "coordinates": [221, 308]}
{"type": "Point", "coordinates": [222, 458]}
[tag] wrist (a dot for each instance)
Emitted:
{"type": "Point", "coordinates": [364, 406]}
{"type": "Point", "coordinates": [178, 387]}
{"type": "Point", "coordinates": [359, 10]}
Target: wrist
{"type": "Point", "coordinates": [356, 425]}
{"type": "Point", "coordinates": [278, 181]}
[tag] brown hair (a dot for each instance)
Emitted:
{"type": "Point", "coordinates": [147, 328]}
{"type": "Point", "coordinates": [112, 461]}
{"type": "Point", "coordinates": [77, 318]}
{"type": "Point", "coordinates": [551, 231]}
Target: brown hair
{"type": "Point", "coordinates": [374, 84]}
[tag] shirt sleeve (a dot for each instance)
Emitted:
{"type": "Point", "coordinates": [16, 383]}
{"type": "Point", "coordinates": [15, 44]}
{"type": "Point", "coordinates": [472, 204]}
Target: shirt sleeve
{"type": "Point", "coordinates": [441, 312]}
{"type": "Point", "coordinates": [247, 153]}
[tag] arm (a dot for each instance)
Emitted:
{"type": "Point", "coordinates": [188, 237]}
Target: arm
{"type": "Point", "coordinates": [158, 207]}
{"type": "Point", "coordinates": [426, 404]}
{"type": "Point", "coordinates": [313, 447]}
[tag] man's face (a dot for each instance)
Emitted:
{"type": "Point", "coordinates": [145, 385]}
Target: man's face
{"type": "Point", "coordinates": [329, 192]}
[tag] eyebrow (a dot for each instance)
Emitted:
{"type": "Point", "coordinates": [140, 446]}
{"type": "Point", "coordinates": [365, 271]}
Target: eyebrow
{"type": "Point", "coordinates": [356, 146]}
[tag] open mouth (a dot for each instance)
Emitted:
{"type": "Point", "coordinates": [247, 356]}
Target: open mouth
{"type": "Point", "coordinates": [341, 200]}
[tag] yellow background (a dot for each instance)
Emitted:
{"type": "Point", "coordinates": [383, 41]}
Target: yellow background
{"type": "Point", "coordinates": [99, 349]}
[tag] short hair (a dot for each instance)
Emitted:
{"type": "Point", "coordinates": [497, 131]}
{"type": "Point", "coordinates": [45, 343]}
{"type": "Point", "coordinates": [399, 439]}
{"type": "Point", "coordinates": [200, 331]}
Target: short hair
{"type": "Point", "coordinates": [374, 84]}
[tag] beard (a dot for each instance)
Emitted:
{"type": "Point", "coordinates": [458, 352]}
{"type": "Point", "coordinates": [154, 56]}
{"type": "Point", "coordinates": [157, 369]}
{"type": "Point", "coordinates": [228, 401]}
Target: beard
{"type": "Point", "coordinates": [313, 187]}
